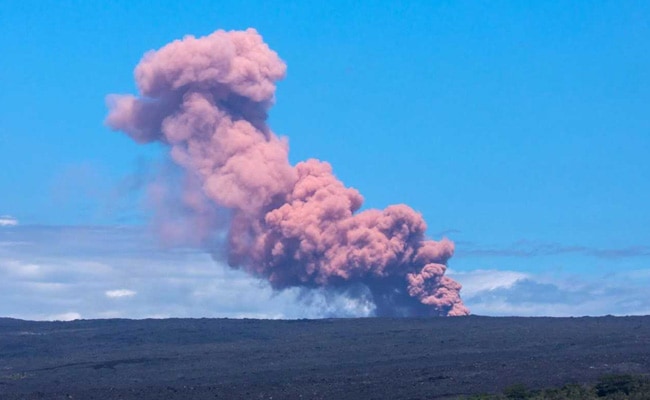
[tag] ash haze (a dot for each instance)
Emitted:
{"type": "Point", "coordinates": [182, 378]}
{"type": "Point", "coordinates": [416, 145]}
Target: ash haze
{"type": "Point", "coordinates": [517, 132]}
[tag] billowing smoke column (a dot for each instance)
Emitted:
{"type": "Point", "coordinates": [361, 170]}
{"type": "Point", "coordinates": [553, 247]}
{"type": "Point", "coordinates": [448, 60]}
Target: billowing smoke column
{"type": "Point", "coordinates": [296, 226]}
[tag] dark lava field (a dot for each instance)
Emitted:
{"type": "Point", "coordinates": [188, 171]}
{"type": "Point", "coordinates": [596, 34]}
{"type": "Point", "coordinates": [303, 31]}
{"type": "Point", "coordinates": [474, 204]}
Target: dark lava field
{"type": "Point", "coordinates": [312, 359]}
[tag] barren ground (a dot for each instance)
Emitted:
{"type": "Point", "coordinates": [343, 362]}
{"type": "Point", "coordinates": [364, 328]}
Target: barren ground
{"type": "Point", "coordinates": [312, 359]}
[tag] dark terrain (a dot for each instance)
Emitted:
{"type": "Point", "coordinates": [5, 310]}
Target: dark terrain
{"type": "Point", "coordinates": [312, 359]}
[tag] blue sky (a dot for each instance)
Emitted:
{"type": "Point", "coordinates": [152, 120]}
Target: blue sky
{"type": "Point", "coordinates": [517, 129]}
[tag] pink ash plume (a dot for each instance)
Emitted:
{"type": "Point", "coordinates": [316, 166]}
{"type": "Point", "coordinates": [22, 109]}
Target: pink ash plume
{"type": "Point", "coordinates": [296, 226]}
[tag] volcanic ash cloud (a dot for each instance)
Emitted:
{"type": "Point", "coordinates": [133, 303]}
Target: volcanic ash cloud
{"type": "Point", "coordinates": [296, 226]}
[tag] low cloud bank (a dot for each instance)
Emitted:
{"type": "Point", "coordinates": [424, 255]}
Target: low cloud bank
{"type": "Point", "coordinates": [504, 293]}
{"type": "Point", "coordinates": [64, 273]}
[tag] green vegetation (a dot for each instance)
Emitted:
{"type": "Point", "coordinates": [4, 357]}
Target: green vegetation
{"type": "Point", "coordinates": [614, 387]}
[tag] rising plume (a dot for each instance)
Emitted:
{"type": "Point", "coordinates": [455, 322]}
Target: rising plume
{"type": "Point", "coordinates": [297, 225]}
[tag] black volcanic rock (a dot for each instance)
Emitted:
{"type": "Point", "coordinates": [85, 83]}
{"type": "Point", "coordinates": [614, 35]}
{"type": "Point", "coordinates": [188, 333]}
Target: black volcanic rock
{"type": "Point", "coordinates": [312, 359]}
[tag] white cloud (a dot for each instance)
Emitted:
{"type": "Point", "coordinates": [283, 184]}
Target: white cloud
{"type": "Point", "coordinates": [20, 269]}
{"type": "Point", "coordinates": [52, 269]}
{"type": "Point", "coordinates": [6, 220]}
{"type": "Point", "coordinates": [481, 280]}
{"type": "Point", "coordinates": [557, 295]}
{"type": "Point", "coordinates": [119, 293]}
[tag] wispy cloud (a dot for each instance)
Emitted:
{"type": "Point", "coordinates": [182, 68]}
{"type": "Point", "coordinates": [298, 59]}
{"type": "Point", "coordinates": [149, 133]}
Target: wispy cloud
{"type": "Point", "coordinates": [526, 248]}
{"type": "Point", "coordinates": [445, 233]}
{"type": "Point", "coordinates": [6, 220]}
{"type": "Point", "coordinates": [495, 292]}
{"type": "Point", "coordinates": [482, 280]}
{"type": "Point", "coordinates": [119, 293]}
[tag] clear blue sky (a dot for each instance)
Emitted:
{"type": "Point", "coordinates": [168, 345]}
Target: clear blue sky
{"type": "Point", "coordinates": [521, 129]}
